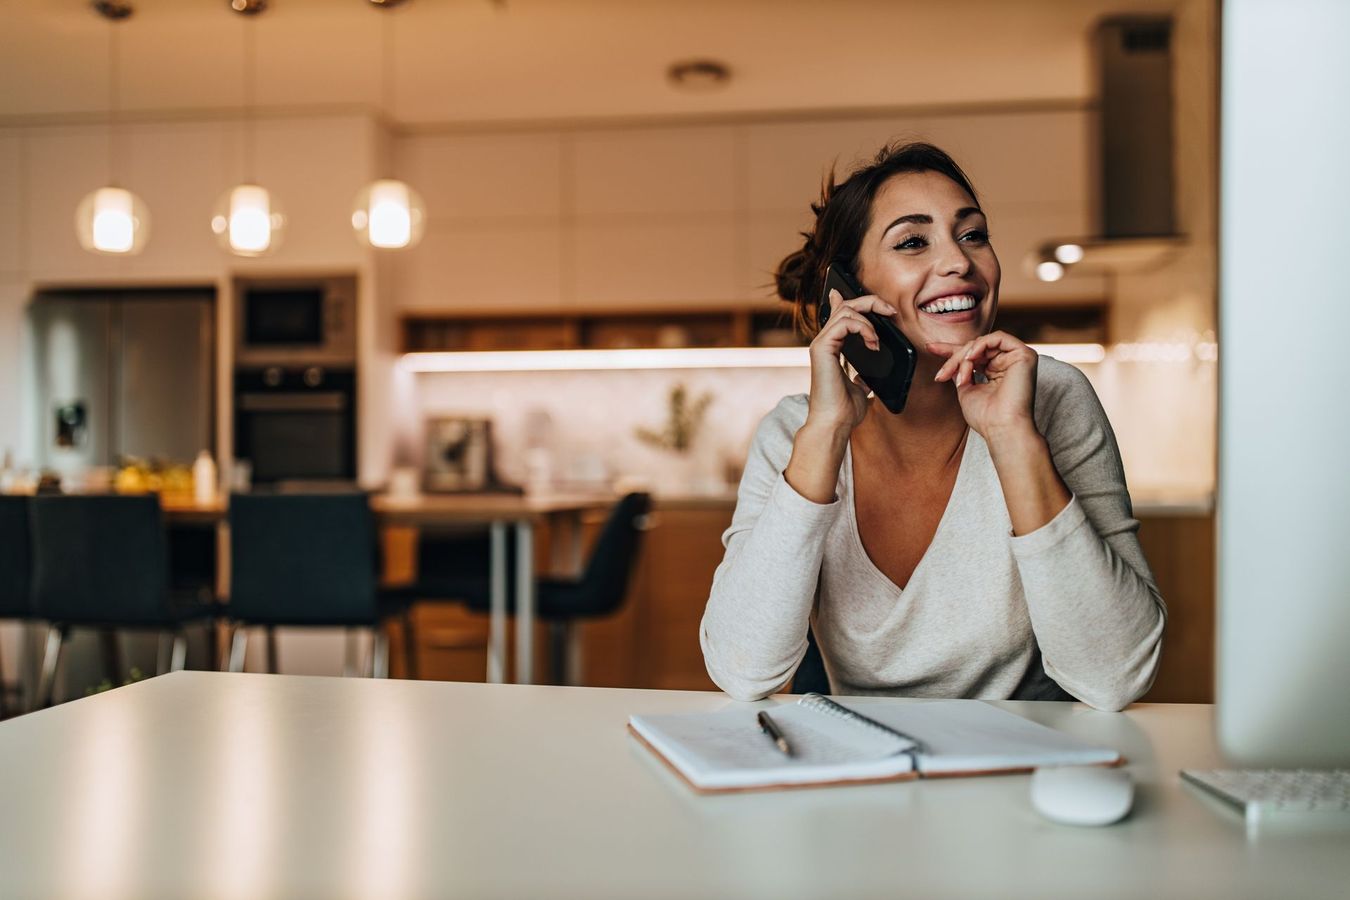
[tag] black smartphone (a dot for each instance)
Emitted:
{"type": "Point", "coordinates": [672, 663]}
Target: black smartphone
{"type": "Point", "coordinates": [887, 371]}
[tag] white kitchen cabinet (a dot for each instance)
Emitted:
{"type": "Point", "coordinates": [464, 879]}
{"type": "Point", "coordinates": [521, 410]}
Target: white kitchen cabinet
{"type": "Point", "coordinates": [11, 204]}
{"type": "Point", "coordinates": [487, 267]}
{"type": "Point", "coordinates": [787, 160]}
{"type": "Point", "coordinates": [316, 167]}
{"type": "Point", "coordinates": [64, 164]}
{"type": "Point", "coordinates": [642, 174]}
{"type": "Point", "coordinates": [485, 178]}
{"type": "Point", "coordinates": [663, 261]}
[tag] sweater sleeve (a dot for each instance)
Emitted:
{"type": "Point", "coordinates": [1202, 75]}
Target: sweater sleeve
{"type": "Point", "coordinates": [1095, 609]}
{"type": "Point", "coordinates": [753, 631]}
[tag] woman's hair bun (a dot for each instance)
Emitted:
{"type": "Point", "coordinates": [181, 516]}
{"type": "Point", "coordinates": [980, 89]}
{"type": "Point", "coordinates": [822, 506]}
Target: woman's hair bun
{"type": "Point", "coordinates": [793, 271]}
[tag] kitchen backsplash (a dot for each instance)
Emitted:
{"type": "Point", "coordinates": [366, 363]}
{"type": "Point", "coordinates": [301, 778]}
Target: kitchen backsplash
{"type": "Point", "coordinates": [580, 427]}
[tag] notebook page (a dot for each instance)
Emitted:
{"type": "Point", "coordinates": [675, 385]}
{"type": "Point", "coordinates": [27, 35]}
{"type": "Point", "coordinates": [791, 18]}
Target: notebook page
{"type": "Point", "coordinates": [727, 748]}
{"type": "Point", "coordinates": [973, 736]}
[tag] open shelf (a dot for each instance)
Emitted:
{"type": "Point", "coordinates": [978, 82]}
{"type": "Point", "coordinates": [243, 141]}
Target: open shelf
{"type": "Point", "coordinates": [670, 329]}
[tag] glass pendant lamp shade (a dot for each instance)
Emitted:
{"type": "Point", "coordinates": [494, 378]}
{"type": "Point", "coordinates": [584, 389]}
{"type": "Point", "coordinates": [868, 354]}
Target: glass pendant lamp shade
{"type": "Point", "coordinates": [248, 221]}
{"type": "Point", "coordinates": [112, 220]}
{"type": "Point", "coordinates": [388, 215]}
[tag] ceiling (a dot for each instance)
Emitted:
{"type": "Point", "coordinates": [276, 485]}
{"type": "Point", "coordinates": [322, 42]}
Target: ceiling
{"type": "Point", "coordinates": [476, 62]}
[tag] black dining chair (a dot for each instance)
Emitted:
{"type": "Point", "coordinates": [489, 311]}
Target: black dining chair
{"type": "Point", "coordinates": [811, 677]}
{"type": "Point", "coordinates": [305, 560]}
{"type": "Point", "coordinates": [102, 562]}
{"type": "Point", "coordinates": [599, 590]}
{"type": "Point", "coordinates": [16, 567]}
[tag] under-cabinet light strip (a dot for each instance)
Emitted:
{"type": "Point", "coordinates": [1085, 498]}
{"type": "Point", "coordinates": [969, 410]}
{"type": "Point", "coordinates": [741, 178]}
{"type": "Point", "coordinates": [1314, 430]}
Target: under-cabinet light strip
{"type": "Point", "coordinates": [675, 358]}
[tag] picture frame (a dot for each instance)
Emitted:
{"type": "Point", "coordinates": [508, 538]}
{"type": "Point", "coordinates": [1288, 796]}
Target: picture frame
{"type": "Point", "coordinates": [458, 454]}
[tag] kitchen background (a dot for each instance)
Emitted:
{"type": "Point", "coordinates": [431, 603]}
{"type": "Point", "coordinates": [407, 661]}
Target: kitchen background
{"type": "Point", "coordinates": [564, 177]}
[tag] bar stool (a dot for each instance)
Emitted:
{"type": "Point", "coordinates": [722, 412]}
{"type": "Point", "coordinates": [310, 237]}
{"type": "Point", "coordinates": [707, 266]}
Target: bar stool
{"type": "Point", "coordinates": [16, 567]}
{"type": "Point", "coordinates": [305, 560]}
{"type": "Point", "coordinates": [102, 562]}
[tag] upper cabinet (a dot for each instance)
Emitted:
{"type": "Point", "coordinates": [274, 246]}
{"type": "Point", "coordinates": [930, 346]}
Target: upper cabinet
{"type": "Point", "coordinates": [698, 216]}
{"type": "Point", "coordinates": [12, 241]}
{"type": "Point", "coordinates": [313, 166]}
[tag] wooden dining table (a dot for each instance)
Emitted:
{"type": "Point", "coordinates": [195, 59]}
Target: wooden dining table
{"type": "Point", "coordinates": [500, 513]}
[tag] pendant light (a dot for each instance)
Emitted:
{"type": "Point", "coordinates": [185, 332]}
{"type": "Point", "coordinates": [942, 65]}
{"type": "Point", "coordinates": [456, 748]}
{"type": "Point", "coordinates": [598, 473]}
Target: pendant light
{"type": "Point", "coordinates": [112, 220]}
{"type": "Point", "coordinates": [387, 214]}
{"type": "Point", "coordinates": [247, 219]}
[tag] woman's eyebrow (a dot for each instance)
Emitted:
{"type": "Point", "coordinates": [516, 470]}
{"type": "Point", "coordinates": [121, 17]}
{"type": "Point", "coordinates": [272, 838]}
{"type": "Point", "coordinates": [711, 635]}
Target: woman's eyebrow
{"type": "Point", "coordinates": [912, 218]}
{"type": "Point", "coordinates": [925, 219]}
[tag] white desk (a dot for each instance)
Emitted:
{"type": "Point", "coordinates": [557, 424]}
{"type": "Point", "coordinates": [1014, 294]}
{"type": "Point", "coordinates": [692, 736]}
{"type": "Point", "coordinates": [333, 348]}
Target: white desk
{"type": "Point", "coordinates": [205, 784]}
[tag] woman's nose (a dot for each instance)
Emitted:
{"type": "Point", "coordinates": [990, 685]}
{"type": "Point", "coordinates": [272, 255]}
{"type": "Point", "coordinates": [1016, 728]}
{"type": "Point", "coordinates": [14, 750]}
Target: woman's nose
{"type": "Point", "coordinates": [952, 259]}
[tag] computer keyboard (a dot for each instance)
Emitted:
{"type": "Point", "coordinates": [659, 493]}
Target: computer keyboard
{"type": "Point", "coordinates": [1288, 795]}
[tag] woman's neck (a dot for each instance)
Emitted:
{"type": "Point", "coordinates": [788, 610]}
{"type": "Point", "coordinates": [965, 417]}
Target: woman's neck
{"type": "Point", "coordinates": [930, 432]}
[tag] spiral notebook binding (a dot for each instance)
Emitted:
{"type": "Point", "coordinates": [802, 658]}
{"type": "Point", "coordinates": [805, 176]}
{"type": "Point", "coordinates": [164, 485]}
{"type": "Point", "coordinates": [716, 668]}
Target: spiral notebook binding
{"type": "Point", "coordinates": [822, 704]}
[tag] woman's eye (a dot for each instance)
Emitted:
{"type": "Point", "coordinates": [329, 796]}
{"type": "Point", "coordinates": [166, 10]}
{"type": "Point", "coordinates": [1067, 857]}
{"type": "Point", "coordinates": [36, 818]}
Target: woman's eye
{"type": "Point", "coordinates": [913, 242]}
{"type": "Point", "coordinates": [976, 236]}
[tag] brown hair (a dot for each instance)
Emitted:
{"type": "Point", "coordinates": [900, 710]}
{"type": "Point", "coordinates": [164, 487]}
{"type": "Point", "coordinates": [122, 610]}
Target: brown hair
{"type": "Point", "coordinates": [843, 215]}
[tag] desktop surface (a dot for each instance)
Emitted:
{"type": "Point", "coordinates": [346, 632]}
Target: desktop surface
{"type": "Point", "coordinates": [209, 784]}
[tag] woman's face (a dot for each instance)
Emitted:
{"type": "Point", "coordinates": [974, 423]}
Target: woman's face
{"type": "Point", "coordinates": [927, 253]}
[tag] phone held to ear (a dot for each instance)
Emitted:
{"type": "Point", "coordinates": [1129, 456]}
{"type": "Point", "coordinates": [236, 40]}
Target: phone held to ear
{"type": "Point", "coordinates": [888, 371]}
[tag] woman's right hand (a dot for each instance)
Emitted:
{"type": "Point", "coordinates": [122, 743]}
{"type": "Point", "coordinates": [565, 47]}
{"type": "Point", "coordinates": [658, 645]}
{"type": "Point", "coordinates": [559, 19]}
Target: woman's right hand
{"type": "Point", "coordinates": [837, 402]}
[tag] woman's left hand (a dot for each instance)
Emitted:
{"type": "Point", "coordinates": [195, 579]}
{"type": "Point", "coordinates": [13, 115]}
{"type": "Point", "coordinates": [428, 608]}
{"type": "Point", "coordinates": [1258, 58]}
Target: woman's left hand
{"type": "Point", "coordinates": [1005, 404]}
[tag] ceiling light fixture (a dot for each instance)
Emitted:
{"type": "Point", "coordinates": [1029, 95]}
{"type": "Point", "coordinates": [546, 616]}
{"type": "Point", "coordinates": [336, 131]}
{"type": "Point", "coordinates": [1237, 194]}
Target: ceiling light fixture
{"type": "Point", "coordinates": [1049, 270]}
{"type": "Point", "coordinates": [112, 220]}
{"type": "Point", "coordinates": [387, 214]}
{"type": "Point", "coordinates": [699, 74]}
{"type": "Point", "coordinates": [247, 219]}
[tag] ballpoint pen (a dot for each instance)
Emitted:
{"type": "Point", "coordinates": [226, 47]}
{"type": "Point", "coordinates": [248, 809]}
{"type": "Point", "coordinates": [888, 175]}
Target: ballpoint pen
{"type": "Point", "coordinates": [767, 725]}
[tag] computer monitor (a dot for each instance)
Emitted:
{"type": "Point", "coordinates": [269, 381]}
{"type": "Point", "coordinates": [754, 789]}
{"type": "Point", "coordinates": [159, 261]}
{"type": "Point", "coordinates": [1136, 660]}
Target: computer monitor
{"type": "Point", "coordinates": [1284, 385]}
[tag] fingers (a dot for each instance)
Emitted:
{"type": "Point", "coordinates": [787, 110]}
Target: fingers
{"type": "Point", "coordinates": [964, 359]}
{"type": "Point", "coordinates": [865, 303]}
{"type": "Point", "coordinates": [842, 322]}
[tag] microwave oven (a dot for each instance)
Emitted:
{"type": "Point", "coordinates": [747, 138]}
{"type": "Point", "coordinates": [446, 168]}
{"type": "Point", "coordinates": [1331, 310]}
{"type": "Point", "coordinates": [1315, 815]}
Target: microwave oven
{"type": "Point", "coordinates": [295, 322]}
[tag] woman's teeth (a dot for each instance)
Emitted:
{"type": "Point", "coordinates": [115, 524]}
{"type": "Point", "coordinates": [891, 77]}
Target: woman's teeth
{"type": "Point", "coordinates": [957, 303]}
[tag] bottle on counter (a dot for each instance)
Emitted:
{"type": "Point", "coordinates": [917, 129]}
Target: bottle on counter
{"type": "Point", "coordinates": [204, 479]}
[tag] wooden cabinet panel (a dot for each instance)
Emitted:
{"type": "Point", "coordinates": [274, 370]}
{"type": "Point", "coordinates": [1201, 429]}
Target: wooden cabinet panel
{"type": "Point", "coordinates": [677, 578]}
{"type": "Point", "coordinates": [1180, 550]}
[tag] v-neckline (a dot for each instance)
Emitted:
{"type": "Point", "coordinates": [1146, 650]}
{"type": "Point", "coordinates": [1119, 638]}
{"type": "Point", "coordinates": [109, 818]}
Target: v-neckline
{"type": "Point", "coordinates": [851, 485]}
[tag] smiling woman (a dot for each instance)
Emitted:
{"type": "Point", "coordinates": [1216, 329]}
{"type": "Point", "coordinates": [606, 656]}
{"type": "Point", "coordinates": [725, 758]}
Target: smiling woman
{"type": "Point", "coordinates": [982, 543]}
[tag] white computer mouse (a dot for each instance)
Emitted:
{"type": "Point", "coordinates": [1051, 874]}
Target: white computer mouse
{"type": "Point", "coordinates": [1082, 795]}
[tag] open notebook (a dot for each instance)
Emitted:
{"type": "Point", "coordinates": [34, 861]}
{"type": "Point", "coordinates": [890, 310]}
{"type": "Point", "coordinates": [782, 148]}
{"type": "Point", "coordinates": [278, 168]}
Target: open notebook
{"type": "Point", "coordinates": [875, 740]}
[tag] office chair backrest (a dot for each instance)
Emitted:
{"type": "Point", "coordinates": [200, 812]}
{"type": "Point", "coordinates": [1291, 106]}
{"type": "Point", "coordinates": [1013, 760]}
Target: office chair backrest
{"type": "Point", "coordinates": [302, 558]}
{"type": "Point", "coordinates": [605, 580]}
{"type": "Point", "coordinates": [99, 559]}
{"type": "Point", "coordinates": [16, 558]}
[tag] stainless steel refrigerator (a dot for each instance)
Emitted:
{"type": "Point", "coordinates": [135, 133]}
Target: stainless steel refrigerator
{"type": "Point", "coordinates": [122, 374]}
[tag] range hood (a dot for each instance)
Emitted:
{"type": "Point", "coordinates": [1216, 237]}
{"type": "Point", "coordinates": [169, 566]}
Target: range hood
{"type": "Point", "coordinates": [1137, 226]}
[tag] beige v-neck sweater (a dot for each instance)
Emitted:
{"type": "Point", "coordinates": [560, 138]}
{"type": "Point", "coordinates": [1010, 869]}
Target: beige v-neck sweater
{"type": "Point", "coordinates": [1071, 605]}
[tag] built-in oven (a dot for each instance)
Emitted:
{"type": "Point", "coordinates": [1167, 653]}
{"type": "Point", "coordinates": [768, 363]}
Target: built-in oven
{"type": "Point", "coordinates": [292, 322]}
{"type": "Point", "coordinates": [296, 424]}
